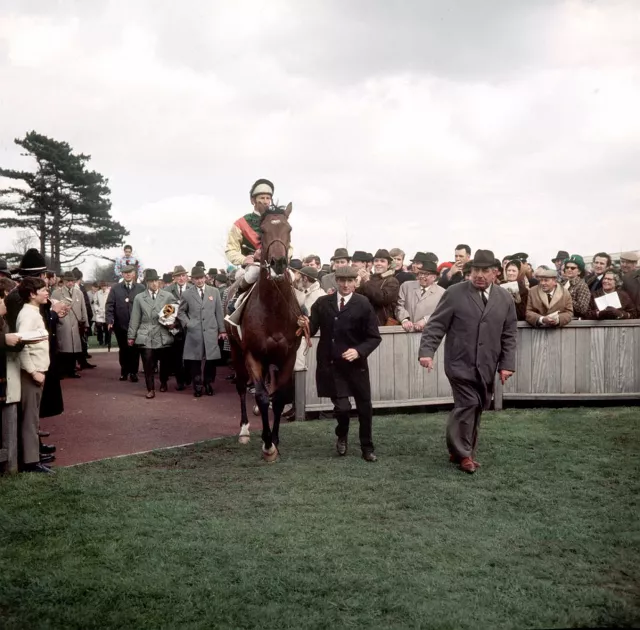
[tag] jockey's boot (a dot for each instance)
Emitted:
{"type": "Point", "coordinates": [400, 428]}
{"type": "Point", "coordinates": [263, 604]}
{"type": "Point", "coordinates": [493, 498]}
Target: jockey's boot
{"type": "Point", "coordinates": [243, 285]}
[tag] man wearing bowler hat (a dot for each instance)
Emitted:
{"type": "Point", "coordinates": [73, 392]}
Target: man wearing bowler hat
{"type": "Point", "coordinates": [348, 335]}
{"type": "Point", "coordinates": [339, 259]}
{"type": "Point", "coordinates": [118, 313]}
{"type": "Point", "coordinates": [479, 320]}
{"type": "Point", "coordinates": [417, 299]}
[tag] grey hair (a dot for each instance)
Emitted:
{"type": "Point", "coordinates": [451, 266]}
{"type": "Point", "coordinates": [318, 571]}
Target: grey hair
{"type": "Point", "coordinates": [617, 276]}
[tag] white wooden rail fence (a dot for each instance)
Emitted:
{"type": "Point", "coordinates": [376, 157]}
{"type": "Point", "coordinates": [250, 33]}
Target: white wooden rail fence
{"type": "Point", "coordinates": [585, 360]}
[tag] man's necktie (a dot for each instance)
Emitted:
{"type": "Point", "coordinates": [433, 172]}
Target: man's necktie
{"type": "Point", "coordinates": [549, 298]}
{"type": "Point", "coordinates": [153, 295]}
{"type": "Point", "coordinates": [483, 295]}
{"type": "Point", "coordinates": [341, 303]}
{"type": "Point", "coordinates": [128, 286]}
{"type": "Point", "coordinates": [202, 294]}
{"type": "Point", "coordinates": [424, 290]}
{"type": "Point", "coordinates": [180, 290]}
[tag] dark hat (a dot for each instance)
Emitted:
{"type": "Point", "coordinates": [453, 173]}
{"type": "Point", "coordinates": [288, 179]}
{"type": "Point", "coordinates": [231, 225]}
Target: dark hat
{"type": "Point", "coordinates": [369, 257]}
{"type": "Point", "coordinates": [466, 268]}
{"type": "Point", "coordinates": [177, 270]}
{"type": "Point", "coordinates": [77, 274]}
{"type": "Point", "coordinates": [359, 256]}
{"type": "Point", "coordinates": [4, 269]}
{"type": "Point", "coordinates": [220, 277]}
{"type": "Point", "coordinates": [262, 187]}
{"type": "Point", "coordinates": [212, 272]}
{"type": "Point", "coordinates": [561, 255]}
{"type": "Point", "coordinates": [32, 262]}
{"type": "Point", "coordinates": [341, 252]}
{"type": "Point", "coordinates": [421, 257]}
{"type": "Point", "coordinates": [295, 264]}
{"type": "Point", "coordinates": [167, 278]}
{"type": "Point", "coordinates": [68, 276]}
{"type": "Point", "coordinates": [483, 259]}
{"type": "Point", "coordinates": [346, 272]}
{"type": "Point", "coordinates": [431, 256]}
{"type": "Point", "coordinates": [128, 269]}
{"type": "Point", "coordinates": [514, 261]}
{"type": "Point", "coordinates": [429, 266]}
{"type": "Point", "coordinates": [521, 256]}
{"type": "Point", "coordinates": [199, 263]}
{"type": "Point", "coordinates": [326, 268]}
{"type": "Point", "coordinates": [198, 272]}
{"type": "Point", "coordinates": [150, 275]}
{"type": "Point", "coordinates": [383, 253]}
{"type": "Point", "coordinates": [310, 272]}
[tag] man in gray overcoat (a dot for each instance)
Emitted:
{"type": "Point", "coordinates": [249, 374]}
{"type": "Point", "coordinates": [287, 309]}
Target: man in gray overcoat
{"type": "Point", "coordinates": [71, 328]}
{"type": "Point", "coordinates": [479, 320]}
{"type": "Point", "coordinates": [145, 331]}
{"type": "Point", "coordinates": [201, 318]}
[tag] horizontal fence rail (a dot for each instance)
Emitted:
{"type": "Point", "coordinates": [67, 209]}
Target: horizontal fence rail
{"type": "Point", "coordinates": [585, 360]}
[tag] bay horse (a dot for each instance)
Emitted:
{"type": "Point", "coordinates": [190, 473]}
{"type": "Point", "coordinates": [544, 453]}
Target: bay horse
{"type": "Point", "coordinates": [266, 353]}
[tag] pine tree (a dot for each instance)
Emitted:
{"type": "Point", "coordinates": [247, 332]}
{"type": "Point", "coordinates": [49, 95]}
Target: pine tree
{"type": "Point", "coordinates": [63, 203]}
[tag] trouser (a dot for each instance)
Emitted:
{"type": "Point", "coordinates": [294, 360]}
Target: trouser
{"type": "Point", "coordinates": [68, 362]}
{"type": "Point", "coordinates": [199, 377]}
{"type": "Point", "coordinates": [103, 333]}
{"type": "Point", "coordinates": [341, 409]}
{"type": "Point", "coordinates": [30, 422]}
{"type": "Point", "coordinates": [9, 433]}
{"type": "Point", "coordinates": [84, 335]}
{"type": "Point", "coordinates": [462, 431]}
{"type": "Point", "coordinates": [177, 364]}
{"type": "Point", "coordinates": [129, 356]}
{"type": "Point", "coordinates": [149, 358]}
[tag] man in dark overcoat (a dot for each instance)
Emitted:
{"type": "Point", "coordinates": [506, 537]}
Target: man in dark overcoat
{"type": "Point", "coordinates": [348, 335]}
{"type": "Point", "coordinates": [479, 320]}
{"type": "Point", "coordinates": [201, 318]}
{"type": "Point", "coordinates": [118, 313]}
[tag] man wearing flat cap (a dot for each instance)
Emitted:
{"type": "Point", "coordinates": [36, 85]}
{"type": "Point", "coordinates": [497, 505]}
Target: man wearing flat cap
{"type": "Point", "coordinates": [118, 314]}
{"type": "Point", "coordinates": [479, 321]}
{"type": "Point", "coordinates": [381, 288]}
{"type": "Point", "coordinates": [549, 304]}
{"type": "Point", "coordinates": [631, 276]}
{"type": "Point", "coordinates": [348, 335]}
{"type": "Point", "coordinates": [339, 259]}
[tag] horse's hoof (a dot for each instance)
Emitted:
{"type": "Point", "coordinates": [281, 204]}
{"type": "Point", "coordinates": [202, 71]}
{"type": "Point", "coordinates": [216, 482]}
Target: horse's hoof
{"type": "Point", "coordinates": [244, 439]}
{"type": "Point", "coordinates": [256, 411]}
{"type": "Point", "coordinates": [270, 455]}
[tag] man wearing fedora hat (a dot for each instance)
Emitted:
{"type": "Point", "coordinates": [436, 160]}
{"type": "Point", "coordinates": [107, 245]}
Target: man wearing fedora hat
{"type": "Point", "coordinates": [148, 334]}
{"type": "Point", "coordinates": [558, 261]}
{"type": "Point", "coordinates": [339, 259]}
{"type": "Point", "coordinates": [480, 323]}
{"type": "Point", "coordinates": [348, 335]}
{"type": "Point", "coordinates": [381, 288]}
{"type": "Point", "coordinates": [71, 328]}
{"type": "Point", "coordinates": [417, 299]}
{"type": "Point", "coordinates": [118, 314]}
{"type": "Point", "coordinates": [179, 288]}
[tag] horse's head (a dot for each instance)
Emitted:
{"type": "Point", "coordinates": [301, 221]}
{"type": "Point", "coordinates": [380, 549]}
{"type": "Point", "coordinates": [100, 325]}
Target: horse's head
{"type": "Point", "coordinates": [276, 237]}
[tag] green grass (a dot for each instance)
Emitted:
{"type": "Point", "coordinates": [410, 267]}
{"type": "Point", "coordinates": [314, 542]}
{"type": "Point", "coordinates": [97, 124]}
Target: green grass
{"type": "Point", "coordinates": [545, 535]}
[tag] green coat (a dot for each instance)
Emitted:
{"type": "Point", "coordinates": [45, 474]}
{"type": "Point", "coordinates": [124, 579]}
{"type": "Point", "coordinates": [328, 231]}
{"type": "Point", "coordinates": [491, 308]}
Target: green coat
{"type": "Point", "coordinates": [144, 326]}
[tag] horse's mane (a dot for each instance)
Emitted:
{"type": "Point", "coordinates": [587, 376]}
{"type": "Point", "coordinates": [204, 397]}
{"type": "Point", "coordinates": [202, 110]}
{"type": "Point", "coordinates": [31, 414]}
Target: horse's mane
{"type": "Point", "coordinates": [274, 209]}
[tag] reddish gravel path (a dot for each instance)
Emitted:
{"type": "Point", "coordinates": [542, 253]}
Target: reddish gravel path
{"type": "Point", "coordinates": [104, 417]}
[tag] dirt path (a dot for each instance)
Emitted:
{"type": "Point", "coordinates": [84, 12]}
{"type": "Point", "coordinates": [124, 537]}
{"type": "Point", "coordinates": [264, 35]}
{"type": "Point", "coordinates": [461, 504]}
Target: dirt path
{"type": "Point", "coordinates": [104, 417]}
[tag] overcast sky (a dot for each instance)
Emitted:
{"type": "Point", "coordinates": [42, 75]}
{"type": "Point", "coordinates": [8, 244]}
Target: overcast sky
{"type": "Point", "coordinates": [511, 125]}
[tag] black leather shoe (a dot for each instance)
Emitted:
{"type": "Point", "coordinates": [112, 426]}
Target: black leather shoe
{"type": "Point", "coordinates": [123, 377]}
{"type": "Point", "coordinates": [44, 433]}
{"type": "Point", "coordinates": [133, 378]}
{"type": "Point", "coordinates": [180, 387]}
{"type": "Point", "coordinates": [163, 387]}
{"type": "Point", "coordinates": [47, 449]}
{"type": "Point", "coordinates": [87, 366]}
{"type": "Point", "coordinates": [208, 390]}
{"type": "Point", "coordinates": [46, 459]}
{"type": "Point", "coordinates": [369, 456]}
{"type": "Point", "coordinates": [73, 376]}
{"type": "Point", "coordinates": [197, 393]}
{"type": "Point", "coordinates": [151, 394]}
{"type": "Point", "coordinates": [38, 468]}
{"type": "Point", "coordinates": [341, 446]}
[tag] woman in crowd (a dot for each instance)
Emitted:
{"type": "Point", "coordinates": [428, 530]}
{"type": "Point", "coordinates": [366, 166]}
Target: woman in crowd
{"type": "Point", "coordinates": [146, 331]}
{"type": "Point", "coordinates": [34, 363]}
{"type": "Point", "coordinates": [574, 269]}
{"type": "Point", "coordinates": [612, 283]}
{"type": "Point", "coordinates": [514, 273]}
{"type": "Point", "coordinates": [10, 346]}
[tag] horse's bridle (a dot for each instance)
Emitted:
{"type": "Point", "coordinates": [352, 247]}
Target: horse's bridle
{"type": "Point", "coordinates": [265, 258]}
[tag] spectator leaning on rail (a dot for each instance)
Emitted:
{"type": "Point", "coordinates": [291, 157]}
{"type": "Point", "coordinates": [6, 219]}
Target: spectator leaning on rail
{"type": "Point", "coordinates": [381, 289]}
{"type": "Point", "coordinates": [612, 283]}
{"type": "Point", "coordinates": [513, 272]}
{"type": "Point", "coordinates": [631, 277]}
{"type": "Point", "coordinates": [577, 287]}
{"type": "Point", "coordinates": [418, 299]}
{"type": "Point", "coordinates": [601, 262]}
{"type": "Point", "coordinates": [549, 303]}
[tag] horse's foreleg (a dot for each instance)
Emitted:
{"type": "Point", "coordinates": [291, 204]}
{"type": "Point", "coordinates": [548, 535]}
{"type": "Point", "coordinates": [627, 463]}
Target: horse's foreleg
{"type": "Point", "coordinates": [278, 401]}
{"type": "Point", "coordinates": [269, 451]}
{"type": "Point", "coordinates": [281, 395]}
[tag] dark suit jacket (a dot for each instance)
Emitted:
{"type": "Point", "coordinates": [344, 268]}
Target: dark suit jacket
{"type": "Point", "coordinates": [355, 327]}
{"type": "Point", "coordinates": [631, 284]}
{"type": "Point", "coordinates": [120, 304]}
{"type": "Point", "coordinates": [480, 340]}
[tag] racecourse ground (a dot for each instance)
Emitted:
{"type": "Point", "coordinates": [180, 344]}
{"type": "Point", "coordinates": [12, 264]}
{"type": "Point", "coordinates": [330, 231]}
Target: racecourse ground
{"type": "Point", "coordinates": [544, 535]}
